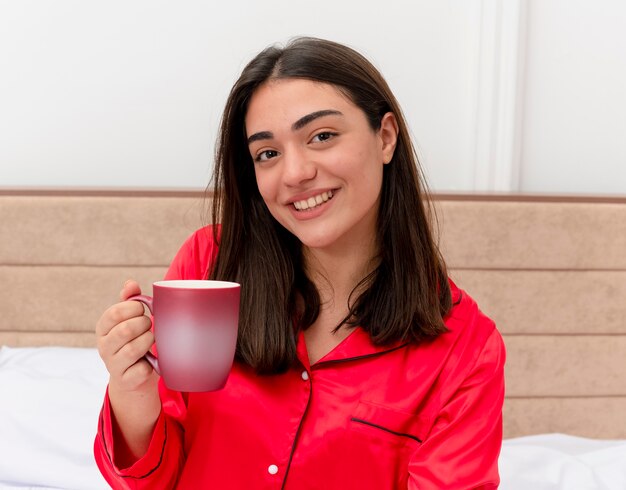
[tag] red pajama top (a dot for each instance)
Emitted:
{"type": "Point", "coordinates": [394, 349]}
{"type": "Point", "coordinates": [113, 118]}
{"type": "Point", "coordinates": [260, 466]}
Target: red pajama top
{"type": "Point", "coordinates": [403, 416]}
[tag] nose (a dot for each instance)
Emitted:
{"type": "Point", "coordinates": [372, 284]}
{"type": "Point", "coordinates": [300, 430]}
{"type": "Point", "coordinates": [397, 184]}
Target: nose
{"type": "Point", "coordinates": [297, 168]}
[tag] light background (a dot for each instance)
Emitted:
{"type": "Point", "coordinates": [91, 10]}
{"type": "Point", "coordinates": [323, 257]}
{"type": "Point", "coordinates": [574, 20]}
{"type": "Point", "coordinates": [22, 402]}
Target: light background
{"type": "Point", "coordinates": [510, 95]}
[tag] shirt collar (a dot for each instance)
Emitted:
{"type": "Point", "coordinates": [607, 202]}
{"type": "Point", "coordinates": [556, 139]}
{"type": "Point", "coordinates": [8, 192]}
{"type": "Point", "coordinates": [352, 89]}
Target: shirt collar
{"type": "Point", "coordinates": [355, 346]}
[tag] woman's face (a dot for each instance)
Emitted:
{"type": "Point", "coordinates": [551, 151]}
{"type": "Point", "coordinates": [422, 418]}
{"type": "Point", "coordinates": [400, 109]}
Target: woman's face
{"type": "Point", "coordinates": [318, 163]}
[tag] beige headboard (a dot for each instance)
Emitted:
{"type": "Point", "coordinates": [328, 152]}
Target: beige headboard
{"type": "Point", "coordinates": [551, 272]}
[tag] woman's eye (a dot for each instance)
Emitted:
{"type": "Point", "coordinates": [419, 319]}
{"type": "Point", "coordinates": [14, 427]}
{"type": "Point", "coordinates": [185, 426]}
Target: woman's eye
{"type": "Point", "coordinates": [266, 155]}
{"type": "Point", "coordinates": [325, 136]}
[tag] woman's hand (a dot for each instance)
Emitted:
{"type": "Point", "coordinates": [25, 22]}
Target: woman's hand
{"type": "Point", "coordinates": [124, 336]}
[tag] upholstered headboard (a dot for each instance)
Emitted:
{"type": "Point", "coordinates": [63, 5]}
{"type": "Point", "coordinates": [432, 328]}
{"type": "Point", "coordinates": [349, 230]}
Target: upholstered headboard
{"type": "Point", "coordinates": [550, 271]}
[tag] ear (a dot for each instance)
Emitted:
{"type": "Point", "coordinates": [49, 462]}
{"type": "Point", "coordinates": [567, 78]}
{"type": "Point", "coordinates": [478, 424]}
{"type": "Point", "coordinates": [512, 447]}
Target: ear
{"type": "Point", "coordinates": [389, 135]}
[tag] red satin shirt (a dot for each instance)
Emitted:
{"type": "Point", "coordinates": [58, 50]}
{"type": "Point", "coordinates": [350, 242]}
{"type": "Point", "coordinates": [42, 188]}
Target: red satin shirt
{"type": "Point", "coordinates": [425, 416]}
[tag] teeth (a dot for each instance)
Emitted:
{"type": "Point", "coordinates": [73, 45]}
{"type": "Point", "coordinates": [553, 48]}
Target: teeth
{"type": "Point", "coordinates": [311, 202]}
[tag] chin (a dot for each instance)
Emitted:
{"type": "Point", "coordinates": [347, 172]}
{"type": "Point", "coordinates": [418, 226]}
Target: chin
{"type": "Point", "coordinates": [319, 236]}
{"type": "Point", "coordinates": [319, 241]}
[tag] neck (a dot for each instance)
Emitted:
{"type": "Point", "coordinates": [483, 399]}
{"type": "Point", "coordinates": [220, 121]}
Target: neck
{"type": "Point", "coordinates": [337, 272]}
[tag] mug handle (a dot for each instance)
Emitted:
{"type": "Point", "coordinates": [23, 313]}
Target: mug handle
{"type": "Point", "coordinates": [149, 356]}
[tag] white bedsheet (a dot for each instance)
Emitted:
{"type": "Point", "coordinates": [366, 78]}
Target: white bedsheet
{"type": "Point", "coordinates": [50, 400]}
{"type": "Point", "coordinates": [558, 461]}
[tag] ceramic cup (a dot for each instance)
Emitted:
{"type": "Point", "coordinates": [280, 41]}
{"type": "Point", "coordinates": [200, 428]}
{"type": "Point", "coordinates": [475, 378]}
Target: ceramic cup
{"type": "Point", "coordinates": [195, 329]}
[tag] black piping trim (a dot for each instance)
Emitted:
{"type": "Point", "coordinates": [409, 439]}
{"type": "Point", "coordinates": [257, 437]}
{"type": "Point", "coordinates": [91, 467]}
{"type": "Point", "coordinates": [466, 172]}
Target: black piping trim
{"type": "Point", "coordinates": [357, 358]}
{"type": "Point", "coordinates": [295, 440]}
{"type": "Point", "coordinates": [402, 434]}
{"type": "Point", "coordinates": [106, 449]}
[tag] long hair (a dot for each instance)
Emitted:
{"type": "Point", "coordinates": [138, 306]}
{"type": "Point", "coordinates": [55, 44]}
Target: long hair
{"type": "Point", "coordinates": [404, 299]}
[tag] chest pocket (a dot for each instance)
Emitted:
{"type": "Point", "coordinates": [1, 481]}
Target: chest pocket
{"type": "Point", "coordinates": [383, 423]}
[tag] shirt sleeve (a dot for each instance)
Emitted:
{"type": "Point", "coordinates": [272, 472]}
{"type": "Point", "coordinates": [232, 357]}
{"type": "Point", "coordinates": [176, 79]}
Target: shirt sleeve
{"type": "Point", "coordinates": [195, 257]}
{"type": "Point", "coordinates": [161, 463]}
{"type": "Point", "coordinates": [462, 449]}
{"type": "Point", "coordinates": [160, 467]}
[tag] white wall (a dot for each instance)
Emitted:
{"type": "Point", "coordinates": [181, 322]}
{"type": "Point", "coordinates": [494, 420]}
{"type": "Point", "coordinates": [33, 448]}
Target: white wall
{"type": "Point", "coordinates": [575, 97]}
{"type": "Point", "coordinates": [129, 93]}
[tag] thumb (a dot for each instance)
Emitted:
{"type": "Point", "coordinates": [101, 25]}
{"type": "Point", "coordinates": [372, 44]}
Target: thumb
{"type": "Point", "coordinates": [130, 288]}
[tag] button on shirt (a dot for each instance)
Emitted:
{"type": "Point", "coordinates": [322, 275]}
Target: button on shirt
{"type": "Point", "coordinates": [425, 416]}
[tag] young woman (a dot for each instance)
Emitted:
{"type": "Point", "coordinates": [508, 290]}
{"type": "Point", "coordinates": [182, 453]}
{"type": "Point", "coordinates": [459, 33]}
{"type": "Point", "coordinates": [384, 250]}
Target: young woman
{"type": "Point", "coordinates": [359, 364]}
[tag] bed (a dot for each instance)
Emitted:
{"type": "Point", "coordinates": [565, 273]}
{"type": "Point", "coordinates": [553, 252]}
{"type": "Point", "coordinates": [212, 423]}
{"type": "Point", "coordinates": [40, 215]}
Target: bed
{"type": "Point", "coordinates": [550, 271]}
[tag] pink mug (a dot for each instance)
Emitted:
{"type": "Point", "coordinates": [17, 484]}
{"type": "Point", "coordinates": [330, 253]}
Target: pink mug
{"type": "Point", "coordinates": [195, 328]}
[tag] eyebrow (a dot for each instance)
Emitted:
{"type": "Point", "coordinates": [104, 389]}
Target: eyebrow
{"type": "Point", "coordinates": [299, 124]}
{"type": "Point", "coordinates": [304, 120]}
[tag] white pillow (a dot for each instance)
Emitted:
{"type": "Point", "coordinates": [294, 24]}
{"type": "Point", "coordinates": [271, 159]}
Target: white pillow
{"type": "Point", "coordinates": [50, 399]}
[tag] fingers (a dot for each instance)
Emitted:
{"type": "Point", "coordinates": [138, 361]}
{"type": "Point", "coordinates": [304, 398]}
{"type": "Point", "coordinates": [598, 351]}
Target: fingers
{"type": "Point", "coordinates": [135, 376]}
{"type": "Point", "coordinates": [129, 353]}
{"type": "Point", "coordinates": [129, 289]}
{"type": "Point", "coordinates": [116, 314]}
{"type": "Point", "coordinates": [122, 334]}
{"type": "Point", "coordinates": [122, 350]}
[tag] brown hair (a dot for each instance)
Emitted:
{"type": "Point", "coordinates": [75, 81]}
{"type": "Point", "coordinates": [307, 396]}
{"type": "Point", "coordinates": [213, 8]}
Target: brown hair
{"type": "Point", "coordinates": [407, 295]}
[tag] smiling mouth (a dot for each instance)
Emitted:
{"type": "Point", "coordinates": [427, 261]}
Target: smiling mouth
{"type": "Point", "coordinates": [313, 202]}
